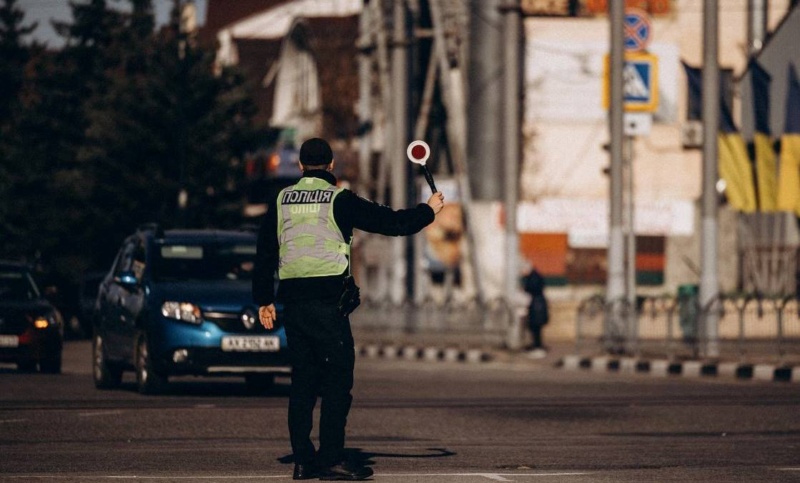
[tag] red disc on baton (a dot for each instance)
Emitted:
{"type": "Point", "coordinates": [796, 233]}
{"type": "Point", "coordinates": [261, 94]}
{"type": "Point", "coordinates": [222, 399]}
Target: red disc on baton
{"type": "Point", "coordinates": [418, 152]}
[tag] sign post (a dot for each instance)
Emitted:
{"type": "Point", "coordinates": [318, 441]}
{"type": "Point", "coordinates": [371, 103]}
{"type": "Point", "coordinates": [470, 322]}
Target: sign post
{"type": "Point", "coordinates": [639, 100]}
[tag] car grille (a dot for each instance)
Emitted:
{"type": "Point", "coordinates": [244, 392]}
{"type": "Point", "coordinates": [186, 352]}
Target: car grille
{"type": "Point", "coordinates": [232, 322]}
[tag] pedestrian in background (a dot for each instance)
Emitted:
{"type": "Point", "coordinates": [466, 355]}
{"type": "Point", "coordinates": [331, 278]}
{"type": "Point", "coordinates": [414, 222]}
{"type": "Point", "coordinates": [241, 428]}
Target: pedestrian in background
{"type": "Point", "coordinates": [538, 312]}
{"type": "Point", "coordinates": [305, 237]}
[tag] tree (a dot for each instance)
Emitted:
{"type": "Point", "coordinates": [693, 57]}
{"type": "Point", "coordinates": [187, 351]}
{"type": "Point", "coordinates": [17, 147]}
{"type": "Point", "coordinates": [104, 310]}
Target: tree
{"type": "Point", "coordinates": [112, 126]}
{"type": "Point", "coordinates": [14, 56]}
{"type": "Point", "coordinates": [165, 123]}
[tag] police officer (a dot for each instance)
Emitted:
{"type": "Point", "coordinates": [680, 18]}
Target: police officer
{"type": "Point", "coordinates": [306, 236]}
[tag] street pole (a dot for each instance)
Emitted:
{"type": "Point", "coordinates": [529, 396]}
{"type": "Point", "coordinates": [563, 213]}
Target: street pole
{"type": "Point", "coordinates": [365, 47]}
{"type": "Point", "coordinates": [615, 290]}
{"type": "Point", "coordinates": [630, 229]}
{"type": "Point", "coordinates": [512, 103]}
{"type": "Point", "coordinates": [709, 285]}
{"type": "Point", "coordinates": [399, 167]}
{"type": "Point", "coordinates": [756, 25]}
{"type": "Point", "coordinates": [488, 30]}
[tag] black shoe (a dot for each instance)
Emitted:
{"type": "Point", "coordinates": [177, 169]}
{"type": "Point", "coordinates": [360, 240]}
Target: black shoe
{"type": "Point", "coordinates": [342, 472]}
{"type": "Point", "coordinates": [305, 472]}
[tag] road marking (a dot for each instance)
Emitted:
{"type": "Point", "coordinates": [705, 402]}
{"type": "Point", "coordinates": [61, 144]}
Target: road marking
{"type": "Point", "coordinates": [135, 477]}
{"type": "Point", "coordinates": [13, 420]}
{"type": "Point", "coordinates": [490, 476]}
{"type": "Point", "coordinates": [244, 477]}
{"type": "Point", "coordinates": [99, 413]}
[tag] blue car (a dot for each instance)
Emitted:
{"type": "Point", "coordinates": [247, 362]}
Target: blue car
{"type": "Point", "coordinates": [179, 303]}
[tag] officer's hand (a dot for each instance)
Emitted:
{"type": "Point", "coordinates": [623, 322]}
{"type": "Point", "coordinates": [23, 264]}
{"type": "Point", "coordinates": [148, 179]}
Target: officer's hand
{"type": "Point", "coordinates": [267, 315]}
{"type": "Point", "coordinates": [436, 202]}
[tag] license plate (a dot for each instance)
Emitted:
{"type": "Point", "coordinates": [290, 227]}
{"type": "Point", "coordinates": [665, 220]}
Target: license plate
{"type": "Point", "coordinates": [250, 344]}
{"type": "Point", "coordinates": [9, 341]}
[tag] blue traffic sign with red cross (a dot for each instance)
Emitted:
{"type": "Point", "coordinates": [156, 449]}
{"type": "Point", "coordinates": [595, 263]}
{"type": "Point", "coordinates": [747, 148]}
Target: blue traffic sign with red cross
{"type": "Point", "coordinates": [637, 30]}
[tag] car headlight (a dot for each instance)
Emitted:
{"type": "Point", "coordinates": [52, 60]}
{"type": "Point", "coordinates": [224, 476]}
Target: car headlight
{"type": "Point", "coordinates": [43, 321]}
{"type": "Point", "coordinates": [184, 311]}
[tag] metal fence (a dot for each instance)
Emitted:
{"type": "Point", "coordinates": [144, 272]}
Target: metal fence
{"type": "Point", "coordinates": [749, 327]}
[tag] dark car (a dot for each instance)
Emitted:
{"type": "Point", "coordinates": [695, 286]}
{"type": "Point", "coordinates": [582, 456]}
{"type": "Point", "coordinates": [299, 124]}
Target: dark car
{"type": "Point", "coordinates": [179, 303]}
{"type": "Point", "coordinates": [31, 329]}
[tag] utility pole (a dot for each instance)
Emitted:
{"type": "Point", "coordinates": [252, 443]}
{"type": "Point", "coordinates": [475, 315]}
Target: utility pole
{"type": "Point", "coordinates": [615, 290]}
{"type": "Point", "coordinates": [365, 47]}
{"type": "Point", "coordinates": [399, 168]}
{"type": "Point", "coordinates": [756, 25]}
{"type": "Point", "coordinates": [709, 285]}
{"type": "Point", "coordinates": [511, 153]}
{"type": "Point", "coordinates": [488, 31]}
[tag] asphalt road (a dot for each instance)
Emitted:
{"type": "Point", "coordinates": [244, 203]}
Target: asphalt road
{"type": "Point", "coordinates": [412, 422]}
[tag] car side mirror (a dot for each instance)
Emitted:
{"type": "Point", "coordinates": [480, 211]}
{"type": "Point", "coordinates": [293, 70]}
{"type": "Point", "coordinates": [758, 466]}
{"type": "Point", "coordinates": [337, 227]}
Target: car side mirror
{"type": "Point", "coordinates": [127, 280]}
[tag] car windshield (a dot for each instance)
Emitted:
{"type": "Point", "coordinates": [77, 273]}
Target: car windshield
{"type": "Point", "coordinates": [203, 261]}
{"type": "Point", "coordinates": [16, 285]}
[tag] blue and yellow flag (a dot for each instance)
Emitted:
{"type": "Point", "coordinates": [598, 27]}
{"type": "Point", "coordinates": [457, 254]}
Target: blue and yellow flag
{"type": "Point", "coordinates": [766, 170]}
{"type": "Point", "coordinates": [789, 177]}
{"type": "Point", "coordinates": [734, 162]}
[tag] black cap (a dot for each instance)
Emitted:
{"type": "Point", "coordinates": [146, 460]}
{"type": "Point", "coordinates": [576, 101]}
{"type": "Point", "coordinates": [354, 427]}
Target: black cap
{"type": "Point", "coordinates": [316, 152]}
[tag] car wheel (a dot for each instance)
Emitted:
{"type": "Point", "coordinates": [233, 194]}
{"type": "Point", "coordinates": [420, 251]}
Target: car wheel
{"type": "Point", "coordinates": [51, 365]}
{"type": "Point", "coordinates": [106, 374]}
{"type": "Point", "coordinates": [259, 383]}
{"type": "Point", "coordinates": [148, 380]}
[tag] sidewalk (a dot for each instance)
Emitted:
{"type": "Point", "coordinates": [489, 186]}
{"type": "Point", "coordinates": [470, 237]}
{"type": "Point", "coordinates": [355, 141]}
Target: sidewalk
{"type": "Point", "coordinates": [403, 333]}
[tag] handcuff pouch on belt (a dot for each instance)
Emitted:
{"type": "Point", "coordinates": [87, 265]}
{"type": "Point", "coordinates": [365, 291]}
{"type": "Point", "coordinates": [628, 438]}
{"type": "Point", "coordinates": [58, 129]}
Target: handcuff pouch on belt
{"type": "Point", "coordinates": [351, 294]}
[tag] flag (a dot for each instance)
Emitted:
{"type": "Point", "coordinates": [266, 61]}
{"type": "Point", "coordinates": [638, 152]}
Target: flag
{"type": "Point", "coordinates": [789, 177]}
{"type": "Point", "coordinates": [694, 80]}
{"type": "Point", "coordinates": [766, 175]}
{"type": "Point", "coordinates": [734, 163]}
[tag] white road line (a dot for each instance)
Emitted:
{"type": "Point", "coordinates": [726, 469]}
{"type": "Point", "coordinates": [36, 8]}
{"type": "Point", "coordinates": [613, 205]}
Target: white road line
{"type": "Point", "coordinates": [490, 476]}
{"type": "Point", "coordinates": [13, 421]}
{"type": "Point", "coordinates": [99, 413]}
{"type": "Point", "coordinates": [192, 478]}
{"type": "Point", "coordinates": [135, 477]}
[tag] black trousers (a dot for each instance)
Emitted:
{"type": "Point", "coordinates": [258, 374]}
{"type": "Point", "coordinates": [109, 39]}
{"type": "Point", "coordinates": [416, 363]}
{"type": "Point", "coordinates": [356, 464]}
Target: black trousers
{"type": "Point", "coordinates": [536, 333]}
{"type": "Point", "coordinates": [323, 358]}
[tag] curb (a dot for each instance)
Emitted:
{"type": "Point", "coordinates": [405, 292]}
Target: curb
{"type": "Point", "coordinates": [427, 354]}
{"type": "Point", "coordinates": [687, 369]}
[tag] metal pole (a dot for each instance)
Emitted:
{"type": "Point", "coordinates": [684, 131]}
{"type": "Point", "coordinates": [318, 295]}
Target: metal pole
{"type": "Point", "coordinates": [709, 285]}
{"type": "Point", "coordinates": [630, 229]}
{"type": "Point", "coordinates": [756, 25]}
{"type": "Point", "coordinates": [486, 95]}
{"type": "Point", "coordinates": [615, 291]}
{"type": "Point", "coordinates": [511, 150]}
{"type": "Point", "coordinates": [365, 47]}
{"type": "Point", "coordinates": [399, 167]}
{"type": "Point", "coordinates": [380, 289]}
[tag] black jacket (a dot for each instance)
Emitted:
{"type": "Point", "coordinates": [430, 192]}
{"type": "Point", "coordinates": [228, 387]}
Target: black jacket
{"type": "Point", "coordinates": [350, 211]}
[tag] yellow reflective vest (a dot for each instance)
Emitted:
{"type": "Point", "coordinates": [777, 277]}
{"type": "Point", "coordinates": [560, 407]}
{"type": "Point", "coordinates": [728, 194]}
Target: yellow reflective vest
{"type": "Point", "coordinates": [311, 243]}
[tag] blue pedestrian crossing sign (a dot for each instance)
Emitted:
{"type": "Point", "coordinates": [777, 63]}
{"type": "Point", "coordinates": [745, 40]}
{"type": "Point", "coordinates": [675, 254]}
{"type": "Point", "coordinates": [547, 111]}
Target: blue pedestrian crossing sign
{"type": "Point", "coordinates": [637, 29]}
{"type": "Point", "coordinates": [640, 82]}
